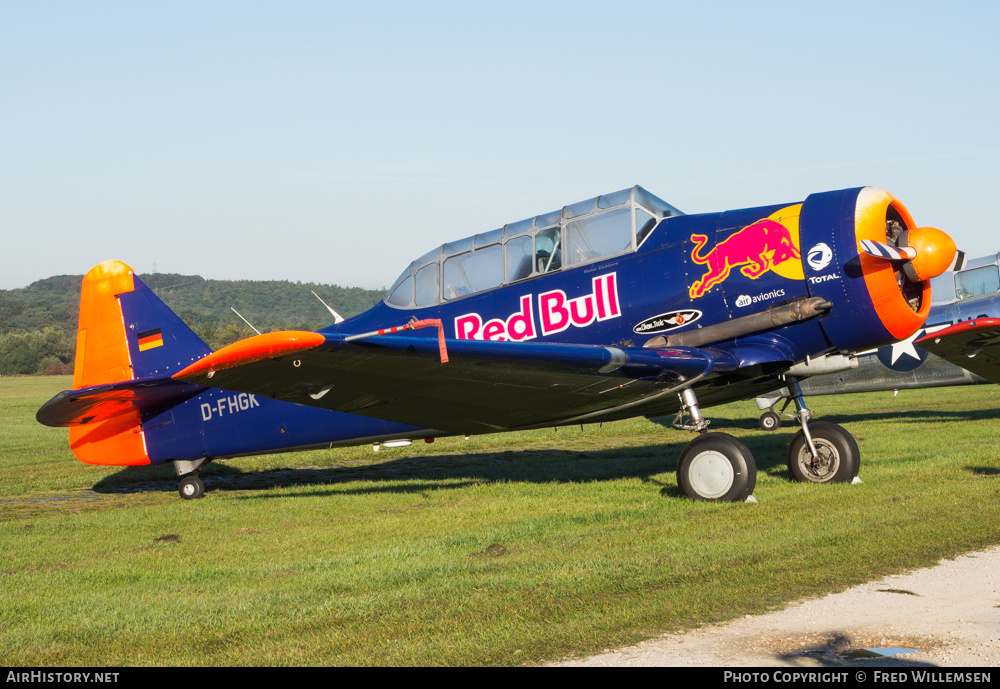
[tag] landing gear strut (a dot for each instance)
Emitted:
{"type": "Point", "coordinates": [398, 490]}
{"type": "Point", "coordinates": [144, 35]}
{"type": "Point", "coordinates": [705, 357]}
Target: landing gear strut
{"type": "Point", "coordinates": [713, 466]}
{"type": "Point", "coordinates": [822, 452]}
{"type": "Point", "coordinates": [717, 466]}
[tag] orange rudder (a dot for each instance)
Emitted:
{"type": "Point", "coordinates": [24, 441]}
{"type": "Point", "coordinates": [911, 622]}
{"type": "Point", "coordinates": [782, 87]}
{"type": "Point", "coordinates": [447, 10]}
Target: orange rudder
{"type": "Point", "coordinates": [102, 357]}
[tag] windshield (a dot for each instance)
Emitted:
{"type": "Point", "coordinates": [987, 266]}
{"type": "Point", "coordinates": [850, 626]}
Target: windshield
{"type": "Point", "coordinates": [581, 233]}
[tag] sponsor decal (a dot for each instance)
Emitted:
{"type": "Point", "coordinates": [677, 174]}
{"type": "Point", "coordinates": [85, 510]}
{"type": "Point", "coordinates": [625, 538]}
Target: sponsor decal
{"type": "Point", "coordinates": [770, 244]}
{"type": "Point", "coordinates": [555, 313]}
{"type": "Point", "coordinates": [819, 256]}
{"type": "Point", "coordinates": [667, 321]}
{"type": "Point", "coordinates": [824, 278]}
{"type": "Point", "coordinates": [747, 300]}
{"type": "Point", "coordinates": [517, 327]}
{"type": "Point", "coordinates": [228, 405]}
{"type": "Point", "coordinates": [150, 339]}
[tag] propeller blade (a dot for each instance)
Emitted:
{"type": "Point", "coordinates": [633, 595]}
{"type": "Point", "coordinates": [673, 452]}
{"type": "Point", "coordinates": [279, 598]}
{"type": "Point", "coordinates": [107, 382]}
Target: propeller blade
{"type": "Point", "coordinates": [891, 253]}
{"type": "Point", "coordinates": [959, 262]}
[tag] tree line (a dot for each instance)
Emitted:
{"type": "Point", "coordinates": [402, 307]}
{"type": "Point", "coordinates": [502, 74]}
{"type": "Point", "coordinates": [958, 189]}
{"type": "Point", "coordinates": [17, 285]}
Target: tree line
{"type": "Point", "coordinates": [38, 323]}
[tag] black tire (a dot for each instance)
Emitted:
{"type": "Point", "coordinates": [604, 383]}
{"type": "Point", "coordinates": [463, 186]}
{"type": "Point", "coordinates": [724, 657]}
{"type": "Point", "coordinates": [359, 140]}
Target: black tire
{"type": "Point", "coordinates": [717, 466]}
{"type": "Point", "coordinates": [839, 461]}
{"type": "Point", "coordinates": [769, 421]}
{"type": "Point", "coordinates": [191, 487]}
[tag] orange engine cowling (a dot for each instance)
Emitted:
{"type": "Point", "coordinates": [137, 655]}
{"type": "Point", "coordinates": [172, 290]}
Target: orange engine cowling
{"type": "Point", "coordinates": [881, 299]}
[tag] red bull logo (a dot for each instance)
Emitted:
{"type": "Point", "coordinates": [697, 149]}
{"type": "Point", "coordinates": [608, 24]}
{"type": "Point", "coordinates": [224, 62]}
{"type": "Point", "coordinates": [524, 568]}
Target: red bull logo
{"type": "Point", "coordinates": [768, 244]}
{"type": "Point", "coordinates": [556, 312]}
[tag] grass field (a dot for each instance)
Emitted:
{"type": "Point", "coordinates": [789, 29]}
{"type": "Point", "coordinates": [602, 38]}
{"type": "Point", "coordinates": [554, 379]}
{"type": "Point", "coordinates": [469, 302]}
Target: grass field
{"type": "Point", "coordinates": [500, 550]}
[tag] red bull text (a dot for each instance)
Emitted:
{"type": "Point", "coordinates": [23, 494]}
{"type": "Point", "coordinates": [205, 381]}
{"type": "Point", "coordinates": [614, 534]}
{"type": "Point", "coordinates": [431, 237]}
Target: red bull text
{"type": "Point", "coordinates": [556, 312]}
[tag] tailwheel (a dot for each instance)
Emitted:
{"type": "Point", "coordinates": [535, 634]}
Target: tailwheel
{"type": "Point", "coordinates": [717, 466]}
{"type": "Point", "coordinates": [191, 487]}
{"type": "Point", "coordinates": [769, 421]}
{"type": "Point", "coordinates": [837, 458]}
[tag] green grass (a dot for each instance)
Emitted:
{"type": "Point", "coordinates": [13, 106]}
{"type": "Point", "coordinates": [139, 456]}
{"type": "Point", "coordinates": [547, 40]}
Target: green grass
{"type": "Point", "coordinates": [500, 550]}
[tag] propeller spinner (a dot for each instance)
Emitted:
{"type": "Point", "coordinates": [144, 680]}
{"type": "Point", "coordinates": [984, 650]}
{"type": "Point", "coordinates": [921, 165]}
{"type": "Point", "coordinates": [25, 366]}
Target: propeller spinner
{"type": "Point", "coordinates": [928, 252]}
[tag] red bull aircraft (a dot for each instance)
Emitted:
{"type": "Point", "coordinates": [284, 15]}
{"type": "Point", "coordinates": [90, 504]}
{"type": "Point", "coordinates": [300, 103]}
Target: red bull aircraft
{"type": "Point", "coordinates": [610, 308]}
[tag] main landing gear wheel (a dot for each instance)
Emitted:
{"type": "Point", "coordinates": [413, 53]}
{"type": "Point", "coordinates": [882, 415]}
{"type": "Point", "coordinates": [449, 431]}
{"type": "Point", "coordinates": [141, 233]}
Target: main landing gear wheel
{"type": "Point", "coordinates": [769, 421]}
{"type": "Point", "coordinates": [191, 487]}
{"type": "Point", "coordinates": [717, 466]}
{"type": "Point", "coordinates": [838, 459]}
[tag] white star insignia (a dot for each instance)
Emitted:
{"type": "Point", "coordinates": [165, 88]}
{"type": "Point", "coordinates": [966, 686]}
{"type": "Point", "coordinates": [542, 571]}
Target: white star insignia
{"type": "Point", "coordinates": [906, 346]}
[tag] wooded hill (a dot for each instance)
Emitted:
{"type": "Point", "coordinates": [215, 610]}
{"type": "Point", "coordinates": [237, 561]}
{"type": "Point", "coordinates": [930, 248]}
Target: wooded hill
{"type": "Point", "coordinates": [38, 322]}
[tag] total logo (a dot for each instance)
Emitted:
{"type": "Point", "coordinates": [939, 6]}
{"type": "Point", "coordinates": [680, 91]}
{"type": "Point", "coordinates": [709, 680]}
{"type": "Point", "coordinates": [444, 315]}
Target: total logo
{"type": "Point", "coordinates": [819, 256]}
{"type": "Point", "coordinates": [824, 278]}
{"type": "Point", "coordinates": [747, 300]}
{"type": "Point", "coordinates": [556, 312]}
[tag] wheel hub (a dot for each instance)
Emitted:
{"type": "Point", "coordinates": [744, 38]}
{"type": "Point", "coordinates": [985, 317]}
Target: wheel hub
{"type": "Point", "coordinates": [711, 475]}
{"type": "Point", "coordinates": [823, 465]}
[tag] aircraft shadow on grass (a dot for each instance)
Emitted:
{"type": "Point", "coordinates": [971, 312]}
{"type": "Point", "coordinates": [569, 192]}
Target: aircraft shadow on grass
{"type": "Point", "coordinates": [419, 473]}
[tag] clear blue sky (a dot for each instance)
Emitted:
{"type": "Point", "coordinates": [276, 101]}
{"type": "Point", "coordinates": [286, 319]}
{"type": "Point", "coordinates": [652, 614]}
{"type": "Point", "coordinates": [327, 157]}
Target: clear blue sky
{"type": "Point", "coordinates": [335, 142]}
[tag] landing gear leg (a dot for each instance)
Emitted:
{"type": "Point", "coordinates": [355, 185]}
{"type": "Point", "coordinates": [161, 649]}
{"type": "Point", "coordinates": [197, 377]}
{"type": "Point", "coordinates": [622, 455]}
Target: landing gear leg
{"type": "Point", "coordinates": [689, 403]}
{"type": "Point", "coordinates": [822, 452]}
{"type": "Point", "coordinates": [713, 466]}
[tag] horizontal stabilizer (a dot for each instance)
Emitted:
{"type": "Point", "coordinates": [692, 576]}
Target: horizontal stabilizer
{"type": "Point", "coordinates": [103, 402]}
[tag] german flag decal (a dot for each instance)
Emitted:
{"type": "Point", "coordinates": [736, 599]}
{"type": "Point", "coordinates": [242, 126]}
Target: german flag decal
{"type": "Point", "coordinates": [150, 339]}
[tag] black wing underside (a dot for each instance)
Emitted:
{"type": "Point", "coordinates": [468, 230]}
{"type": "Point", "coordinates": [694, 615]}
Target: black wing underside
{"type": "Point", "coordinates": [484, 387]}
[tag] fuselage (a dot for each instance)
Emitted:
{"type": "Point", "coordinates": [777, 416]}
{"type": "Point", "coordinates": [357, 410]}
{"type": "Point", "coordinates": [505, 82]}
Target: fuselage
{"type": "Point", "coordinates": [624, 271]}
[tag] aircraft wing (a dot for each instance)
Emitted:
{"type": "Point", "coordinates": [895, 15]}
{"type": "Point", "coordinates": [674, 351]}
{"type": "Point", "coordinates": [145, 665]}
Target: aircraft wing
{"type": "Point", "coordinates": [484, 386]}
{"type": "Point", "coordinates": [974, 345]}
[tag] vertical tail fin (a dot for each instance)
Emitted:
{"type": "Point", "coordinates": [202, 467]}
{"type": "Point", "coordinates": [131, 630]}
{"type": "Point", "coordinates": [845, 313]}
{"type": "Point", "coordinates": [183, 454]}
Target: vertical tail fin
{"type": "Point", "coordinates": [125, 333]}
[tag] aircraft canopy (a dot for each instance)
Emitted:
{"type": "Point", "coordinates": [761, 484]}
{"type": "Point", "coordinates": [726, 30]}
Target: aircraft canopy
{"type": "Point", "coordinates": [580, 233]}
{"type": "Point", "coordinates": [979, 277]}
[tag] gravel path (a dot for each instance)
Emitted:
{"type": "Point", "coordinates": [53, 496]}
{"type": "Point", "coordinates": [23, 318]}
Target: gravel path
{"type": "Point", "coordinates": [950, 612]}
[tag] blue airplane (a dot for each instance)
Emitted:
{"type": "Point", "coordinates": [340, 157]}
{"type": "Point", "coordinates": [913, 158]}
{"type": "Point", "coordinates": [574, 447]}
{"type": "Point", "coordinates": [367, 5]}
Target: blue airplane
{"type": "Point", "coordinates": [963, 316]}
{"type": "Point", "coordinates": [610, 308]}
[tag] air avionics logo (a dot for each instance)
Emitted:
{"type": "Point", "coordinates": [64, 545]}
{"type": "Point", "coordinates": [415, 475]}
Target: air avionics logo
{"type": "Point", "coordinates": [768, 244]}
{"type": "Point", "coordinates": [556, 312]}
{"type": "Point", "coordinates": [747, 300]}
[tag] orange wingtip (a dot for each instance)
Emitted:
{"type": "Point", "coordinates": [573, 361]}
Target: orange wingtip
{"type": "Point", "coordinates": [266, 346]}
